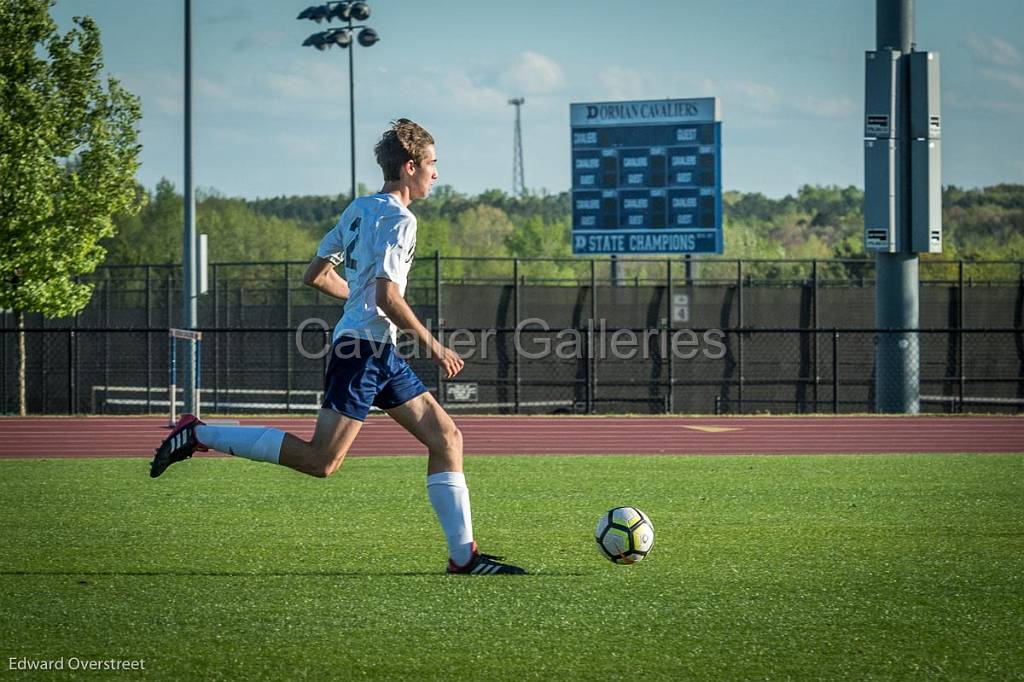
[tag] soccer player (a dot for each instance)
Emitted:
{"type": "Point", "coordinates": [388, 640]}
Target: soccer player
{"type": "Point", "coordinates": [374, 241]}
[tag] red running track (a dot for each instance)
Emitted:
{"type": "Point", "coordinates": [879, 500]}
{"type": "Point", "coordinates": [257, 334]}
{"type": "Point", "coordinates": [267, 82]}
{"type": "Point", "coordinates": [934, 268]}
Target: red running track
{"type": "Point", "coordinates": [137, 436]}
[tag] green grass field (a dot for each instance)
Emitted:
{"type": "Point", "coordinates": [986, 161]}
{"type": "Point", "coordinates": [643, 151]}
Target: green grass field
{"type": "Point", "coordinates": [851, 567]}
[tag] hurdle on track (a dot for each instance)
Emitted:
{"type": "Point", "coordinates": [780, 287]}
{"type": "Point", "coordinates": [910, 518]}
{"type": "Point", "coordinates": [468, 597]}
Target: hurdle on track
{"type": "Point", "coordinates": [241, 399]}
{"type": "Point", "coordinates": [172, 384]}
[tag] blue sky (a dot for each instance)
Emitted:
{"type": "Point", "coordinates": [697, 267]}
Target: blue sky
{"type": "Point", "coordinates": [271, 117]}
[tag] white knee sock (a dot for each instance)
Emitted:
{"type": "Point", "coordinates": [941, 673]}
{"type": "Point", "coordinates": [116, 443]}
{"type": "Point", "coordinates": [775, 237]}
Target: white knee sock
{"type": "Point", "coordinates": [450, 498]}
{"type": "Point", "coordinates": [259, 443]}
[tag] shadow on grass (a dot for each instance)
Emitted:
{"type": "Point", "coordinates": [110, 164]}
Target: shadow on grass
{"type": "Point", "coordinates": [251, 574]}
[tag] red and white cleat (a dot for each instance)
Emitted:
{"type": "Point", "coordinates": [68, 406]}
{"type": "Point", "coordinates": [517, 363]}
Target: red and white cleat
{"type": "Point", "coordinates": [180, 445]}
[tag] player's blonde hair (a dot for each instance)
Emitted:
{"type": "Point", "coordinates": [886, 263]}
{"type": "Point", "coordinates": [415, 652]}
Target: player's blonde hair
{"type": "Point", "coordinates": [402, 142]}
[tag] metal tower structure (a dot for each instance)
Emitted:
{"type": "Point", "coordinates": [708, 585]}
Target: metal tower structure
{"type": "Point", "coordinates": [518, 182]}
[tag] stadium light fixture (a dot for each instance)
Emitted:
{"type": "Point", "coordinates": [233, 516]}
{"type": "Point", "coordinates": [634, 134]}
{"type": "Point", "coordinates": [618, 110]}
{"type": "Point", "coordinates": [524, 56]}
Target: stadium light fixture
{"type": "Point", "coordinates": [316, 40]}
{"type": "Point", "coordinates": [341, 37]}
{"type": "Point", "coordinates": [360, 11]}
{"type": "Point", "coordinates": [368, 37]}
{"type": "Point", "coordinates": [345, 11]}
{"type": "Point", "coordinates": [317, 13]}
{"type": "Point", "coordinates": [342, 12]}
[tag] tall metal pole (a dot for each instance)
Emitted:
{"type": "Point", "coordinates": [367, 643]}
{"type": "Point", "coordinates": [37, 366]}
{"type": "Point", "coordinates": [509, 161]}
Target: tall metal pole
{"type": "Point", "coordinates": [189, 313]}
{"type": "Point", "coordinates": [897, 356]}
{"type": "Point", "coordinates": [352, 110]}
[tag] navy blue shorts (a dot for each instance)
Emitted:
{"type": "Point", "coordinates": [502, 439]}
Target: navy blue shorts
{"type": "Point", "coordinates": [357, 379]}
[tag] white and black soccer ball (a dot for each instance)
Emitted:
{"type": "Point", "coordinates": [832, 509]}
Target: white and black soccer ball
{"type": "Point", "coordinates": [624, 535]}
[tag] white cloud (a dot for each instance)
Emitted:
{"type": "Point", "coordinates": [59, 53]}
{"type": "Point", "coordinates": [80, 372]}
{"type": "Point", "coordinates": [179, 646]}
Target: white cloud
{"type": "Point", "coordinates": [232, 15]}
{"type": "Point", "coordinates": [229, 136]}
{"type": "Point", "coordinates": [173, 106]}
{"type": "Point", "coordinates": [460, 90]}
{"type": "Point", "coordinates": [207, 88]}
{"type": "Point", "coordinates": [758, 97]}
{"type": "Point", "coordinates": [261, 40]}
{"type": "Point", "coordinates": [290, 85]}
{"type": "Point", "coordinates": [972, 103]}
{"type": "Point", "coordinates": [307, 81]}
{"type": "Point", "coordinates": [827, 107]}
{"type": "Point", "coordinates": [454, 94]}
{"type": "Point", "coordinates": [955, 99]}
{"type": "Point", "coordinates": [994, 50]}
{"type": "Point", "coordinates": [532, 73]}
{"type": "Point", "coordinates": [299, 145]}
{"type": "Point", "coordinates": [740, 96]}
{"type": "Point", "coordinates": [1015, 81]}
{"type": "Point", "coordinates": [304, 87]}
{"type": "Point", "coordinates": [161, 92]}
{"type": "Point", "coordinates": [621, 82]}
{"type": "Point", "coordinates": [313, 89]}
{"type": "Point", "coordinates": [1003, 66]}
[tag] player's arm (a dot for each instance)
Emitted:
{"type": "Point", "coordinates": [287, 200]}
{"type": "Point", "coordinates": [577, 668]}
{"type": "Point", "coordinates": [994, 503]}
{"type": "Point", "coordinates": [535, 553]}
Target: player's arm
{"type": "Point", "coordinates": [398, 311]}
{"type": "Point", "coordinates": [321, 275]}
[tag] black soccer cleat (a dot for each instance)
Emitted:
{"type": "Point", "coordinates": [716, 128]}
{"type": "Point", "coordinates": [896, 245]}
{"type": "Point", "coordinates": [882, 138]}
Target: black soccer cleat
{"type": "Point", "coordinates": [180, 445]}
{"type": "Point", "coordinates": [484, 564]}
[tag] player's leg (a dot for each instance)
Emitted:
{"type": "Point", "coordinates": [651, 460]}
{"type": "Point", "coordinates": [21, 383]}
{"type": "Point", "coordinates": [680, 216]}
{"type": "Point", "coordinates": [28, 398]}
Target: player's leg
{"type": "Point", "coordinates": [349, 387]}
{"type": "Point", "coordinates": [318, 457]}
{"type": "Point", "coordinates": [430, 424]}
{"type": "Point", "coordinates": [425, 419]}
{"type": "Point", "coordinates": [323, 455]}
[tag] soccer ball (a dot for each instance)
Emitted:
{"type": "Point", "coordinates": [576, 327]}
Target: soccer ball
{"type": "Point", "coordinates": [624, 535]}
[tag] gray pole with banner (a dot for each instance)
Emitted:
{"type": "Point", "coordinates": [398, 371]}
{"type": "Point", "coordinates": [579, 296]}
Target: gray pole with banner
{"type": "Point", "coordinates": [189, 312]}
{"type": "Point", "coordinates": [902, 195]}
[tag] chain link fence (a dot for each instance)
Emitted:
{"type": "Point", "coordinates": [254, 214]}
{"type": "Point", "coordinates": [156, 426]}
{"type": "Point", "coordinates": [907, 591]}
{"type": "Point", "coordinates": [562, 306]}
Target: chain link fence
{"type": "Point", "coordinates": [529, 370]}
{"type": "Point", "coordinates": [703, 292]}
{"type": "Point", "coordinates": [797, 336]}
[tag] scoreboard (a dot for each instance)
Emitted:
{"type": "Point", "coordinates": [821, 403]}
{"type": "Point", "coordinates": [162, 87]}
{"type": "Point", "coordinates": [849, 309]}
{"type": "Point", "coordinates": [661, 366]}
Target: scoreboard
{"type": "Point", "coordinates": [646, 177]}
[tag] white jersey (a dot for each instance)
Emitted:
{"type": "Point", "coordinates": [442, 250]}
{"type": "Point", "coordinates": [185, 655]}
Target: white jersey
{"type": "Point", "coordinates": [375, 237]}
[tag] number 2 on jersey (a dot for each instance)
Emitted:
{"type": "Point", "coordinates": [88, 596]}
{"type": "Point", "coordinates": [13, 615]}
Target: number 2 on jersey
{"type": "Point", "coordinates": [350, 262]}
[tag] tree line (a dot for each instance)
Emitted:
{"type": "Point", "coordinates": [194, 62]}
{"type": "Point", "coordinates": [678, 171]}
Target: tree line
{"type": "Point", "coordinates": [822, 222]}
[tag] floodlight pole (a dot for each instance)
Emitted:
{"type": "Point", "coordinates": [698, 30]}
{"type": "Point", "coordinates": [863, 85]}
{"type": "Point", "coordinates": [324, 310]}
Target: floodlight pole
{"type": "Point", "coordinates": [897, 356]}
{"type": "Point", "coordinates": [329, 11]}
{"type": "Point", "coordinates": [352, 108]}
{"type": "Point", "coordinates": [189, 312]}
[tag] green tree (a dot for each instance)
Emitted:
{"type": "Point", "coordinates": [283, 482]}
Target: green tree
{"type": "Point", "coordinates": [151, 235]}
{"type": "Point", "coordinates": [237, 231]}
{"type": "Point", "coordinates": [68, 155]}
{"type": "Point", "coordinates": [482, 231]}
{"type": "Point", "coordinates": [535, 238]}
